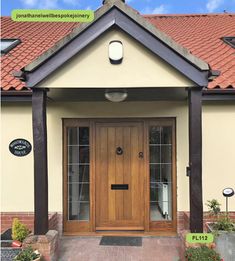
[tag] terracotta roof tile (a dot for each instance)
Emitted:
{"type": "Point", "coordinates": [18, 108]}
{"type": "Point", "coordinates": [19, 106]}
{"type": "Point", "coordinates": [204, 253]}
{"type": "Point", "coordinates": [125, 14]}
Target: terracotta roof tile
{"type": "Point", "coordinates": [200, 34]}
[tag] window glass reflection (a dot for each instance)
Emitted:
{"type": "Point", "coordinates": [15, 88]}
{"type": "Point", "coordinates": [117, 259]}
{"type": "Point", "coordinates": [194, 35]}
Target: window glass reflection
{"type": "Point", "coordinates": [78, 173]}
{"type": "Point", "coordinates": [160, 149]}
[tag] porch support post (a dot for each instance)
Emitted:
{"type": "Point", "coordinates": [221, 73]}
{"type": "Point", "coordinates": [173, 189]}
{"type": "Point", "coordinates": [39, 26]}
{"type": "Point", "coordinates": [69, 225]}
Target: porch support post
{"type": "Point", "coordinates": [195, 159]}
{"type": "Point", "coordinates": [40, 161]}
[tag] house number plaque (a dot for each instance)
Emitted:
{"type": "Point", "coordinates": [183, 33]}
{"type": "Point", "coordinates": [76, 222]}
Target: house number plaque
{"type": "Point", "coordinates": [20, 147]}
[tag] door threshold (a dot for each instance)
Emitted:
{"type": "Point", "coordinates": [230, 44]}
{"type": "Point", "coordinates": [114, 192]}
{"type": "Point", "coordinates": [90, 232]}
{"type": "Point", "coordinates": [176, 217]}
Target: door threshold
{"type": "Point", "coordinates": [123, 233]}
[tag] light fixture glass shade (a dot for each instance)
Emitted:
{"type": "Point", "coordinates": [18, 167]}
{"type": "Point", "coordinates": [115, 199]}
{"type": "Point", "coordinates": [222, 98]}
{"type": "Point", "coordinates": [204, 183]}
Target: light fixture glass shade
{"type": "Point", "coordinates": [228, 192]}
{"type": "Point", "coordinates": [115, 52]}
{"type": "Point", "coordinates": [116, 95]}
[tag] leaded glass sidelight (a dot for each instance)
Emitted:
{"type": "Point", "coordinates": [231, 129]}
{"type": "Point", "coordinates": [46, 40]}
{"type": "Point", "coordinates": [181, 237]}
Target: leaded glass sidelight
{"type": "Point", "coordinates": [78, 173]}
{"type": "Point", "coordinates": [160, 149]}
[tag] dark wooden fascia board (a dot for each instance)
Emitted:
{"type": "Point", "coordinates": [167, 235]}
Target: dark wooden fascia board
{"type": "Point", "coordinates": [218, 91]}
{"type": "Point", "coordinates": [71, 49]}
{"type": "Point", "coordinates": [16, 96]}
{"type": "Point", "coordinates": [218, 95]}
{"type": "Point", "coordinates": [27, 98]}
{"type": "Point", "coordinates": [161, 49]}
{"type": "Point", "coordinates": [16, 93]}
{"type": "Point", "coordinates": [111, 18]}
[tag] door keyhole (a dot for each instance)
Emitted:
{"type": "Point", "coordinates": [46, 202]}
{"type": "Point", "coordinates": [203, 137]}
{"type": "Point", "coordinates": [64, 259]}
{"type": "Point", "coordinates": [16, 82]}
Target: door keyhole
{"type": "Point", "coordinates": [119, 151]}
{"type": "Point", "coordinates": [141, 154]}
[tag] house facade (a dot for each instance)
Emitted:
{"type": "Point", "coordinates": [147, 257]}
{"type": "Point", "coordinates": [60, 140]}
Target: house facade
{"type": "Point", "coordinates": [145, 165]}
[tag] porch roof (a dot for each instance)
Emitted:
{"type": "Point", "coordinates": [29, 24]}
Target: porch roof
{"type": "Point", "coordinates": [203, 41]}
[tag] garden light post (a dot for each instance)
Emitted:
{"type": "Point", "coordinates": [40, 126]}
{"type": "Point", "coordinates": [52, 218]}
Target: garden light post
{"type": "Point", "coordinates": [227, 193]}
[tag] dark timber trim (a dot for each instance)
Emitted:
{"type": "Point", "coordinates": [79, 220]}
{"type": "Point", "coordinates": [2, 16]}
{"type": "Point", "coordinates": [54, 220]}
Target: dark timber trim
{"type": "Point", "coordinates": [195, 159]}
{"type": "Point", "coordinates": [40, 162]}
{"type": "Point", "coordinates": [9, 98]}
{"type": "Point", "coordinates": [140, 34]}
{"type": "Point", "coordinates": [218, 97]}
{"type": "Point", "coordinates": [15, 42]}
{"type": "Point", "coordinates": [218, 94]}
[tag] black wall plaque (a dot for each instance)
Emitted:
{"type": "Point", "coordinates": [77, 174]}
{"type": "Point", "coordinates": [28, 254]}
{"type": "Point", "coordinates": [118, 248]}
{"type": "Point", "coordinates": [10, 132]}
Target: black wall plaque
{"type": "Point", "coordinates": [20, 147]}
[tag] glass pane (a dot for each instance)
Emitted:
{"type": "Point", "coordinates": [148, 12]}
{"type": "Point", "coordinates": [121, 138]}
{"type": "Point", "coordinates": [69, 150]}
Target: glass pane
{"type": "Point", "coordinates": [84, 154]}
{"type": "Point", "coordinates": [84, 136]}
{"type": "Point", "coordinates": [156, 211]}
{"type": "Point", "coordinates": [78, 192]}
{"type": "Point", "coordinates": [78, 173]}
{"type": "Point", "coordinates": [73, 138]}
{"type": "Point", "coordinates": [166, 137]}
{"type": "Point", "coordinates": [155, 172]}
{"type": "Point", "coordinates": [160, 197]}
{"type": "Point", "coordinates": [153, 191]}
{"type": "Point", "coordinates": [6, 43]}
{"type": "Point", "coordinates": [160, 148]}
{"type": "Point", "coordinates": [79, 211]}
{"type": "Point", "coordinates": [166, 173]}
{"type": "Point", "coordinates": [155, 154]}
{"type": "Point", "coordinates": [154, 135]}
{"type": "Point", "coordinates": [78, 154]}
{"type": "Point", "coordinates": [165, 153]}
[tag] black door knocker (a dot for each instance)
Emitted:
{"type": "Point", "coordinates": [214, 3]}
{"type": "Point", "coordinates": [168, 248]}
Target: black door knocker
{"type": "Point", "coordinates": [119, 151]}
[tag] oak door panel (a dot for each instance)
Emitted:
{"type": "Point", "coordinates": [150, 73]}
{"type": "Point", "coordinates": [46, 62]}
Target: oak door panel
{"type": "Point", "coordinates": [119, 208]}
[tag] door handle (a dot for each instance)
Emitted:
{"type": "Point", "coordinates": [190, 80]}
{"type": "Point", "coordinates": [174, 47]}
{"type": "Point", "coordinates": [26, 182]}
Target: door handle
{"type": "Point", "coordinates": [141, 154]}
{"type": "Point", "coordinates": [119, 151]}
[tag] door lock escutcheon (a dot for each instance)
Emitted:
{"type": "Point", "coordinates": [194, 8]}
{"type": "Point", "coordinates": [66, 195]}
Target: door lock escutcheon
{"type": "Point", "coordinates": [119, 151]}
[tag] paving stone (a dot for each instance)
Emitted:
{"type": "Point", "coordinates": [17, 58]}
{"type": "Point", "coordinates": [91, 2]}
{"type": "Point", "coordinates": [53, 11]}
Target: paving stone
{"type": "Point", "coordinates": [88, 249]}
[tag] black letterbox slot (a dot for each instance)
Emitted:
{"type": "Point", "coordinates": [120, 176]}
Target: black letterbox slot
{"type": "Point", "coordinates": [119, 186]}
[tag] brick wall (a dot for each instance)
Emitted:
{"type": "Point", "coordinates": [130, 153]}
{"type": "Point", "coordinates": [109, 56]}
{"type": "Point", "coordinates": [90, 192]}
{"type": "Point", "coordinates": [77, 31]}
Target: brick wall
{"type": "Point", "coordinates": [26, 218]}
{"type": "Point", "coordinates": [55, 220]}
{"type": "Point", "coordinates": [182, 222]}
{"type": "Point", "coordinates": [47, 245]}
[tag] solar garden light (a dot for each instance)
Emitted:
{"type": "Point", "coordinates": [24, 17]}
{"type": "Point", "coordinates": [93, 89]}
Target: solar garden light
{"type": "Point", "coordinates": [227, 193]}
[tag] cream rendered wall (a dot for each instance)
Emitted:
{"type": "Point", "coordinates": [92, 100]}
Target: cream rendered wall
{"type": "Point", "coordinates": [17, 173]}
{"type": "Point", "coordinates": [140, 68]}
{"type": "Point", "coordinates": [218, 151]}
{"type": "Point", "coordinates": [218, 148]}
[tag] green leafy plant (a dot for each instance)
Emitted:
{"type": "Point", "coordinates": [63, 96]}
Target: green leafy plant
{"type": "Point", "coordinates": [224, 223]}
{"type": "Point", "coordinates": [27, 255]}
{"type": "Point", "coordinates": [201, 254]}
{"type": "Point", "coordinates": [213, 206]}
{"type": "Point", "coordinates": [19, 230]}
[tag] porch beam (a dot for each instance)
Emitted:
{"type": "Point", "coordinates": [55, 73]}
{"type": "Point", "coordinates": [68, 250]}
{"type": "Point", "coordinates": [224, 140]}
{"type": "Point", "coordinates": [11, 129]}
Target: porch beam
{"type": "Point", "coordinates": [195, 159]}
{"type": "Point", "coordinates": [40, 161]}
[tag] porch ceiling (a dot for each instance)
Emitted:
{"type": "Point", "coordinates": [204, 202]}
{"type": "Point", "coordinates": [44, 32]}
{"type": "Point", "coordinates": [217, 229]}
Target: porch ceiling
{"type": "Point", "coordinates": [134, 94]}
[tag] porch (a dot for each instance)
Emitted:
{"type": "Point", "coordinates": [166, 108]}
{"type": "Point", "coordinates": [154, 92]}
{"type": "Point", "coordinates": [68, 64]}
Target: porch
{"type": "Point", "coordinates": [88, 249]}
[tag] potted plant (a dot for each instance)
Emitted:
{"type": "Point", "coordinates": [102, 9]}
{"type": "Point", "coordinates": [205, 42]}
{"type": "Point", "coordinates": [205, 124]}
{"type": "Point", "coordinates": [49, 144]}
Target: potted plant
{"type": "Point", "coordinates": [223, 229]}
{"type": "Point", "coordinates": [213, 207]}
{"type": "Point", "coordinates": [203, 253]}
{"type": "Point", "coordinates": [28, 254]}
{"type": "Point", "coordinates": [19, 232]}
{"type": "Point", "coordinates": [11, 240]}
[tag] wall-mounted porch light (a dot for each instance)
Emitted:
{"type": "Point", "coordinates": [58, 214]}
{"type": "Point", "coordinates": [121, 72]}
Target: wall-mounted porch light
{"type": "Point", "coordinates": [116, 95]}
{"type": "Point", "coordinates": [115, 52]}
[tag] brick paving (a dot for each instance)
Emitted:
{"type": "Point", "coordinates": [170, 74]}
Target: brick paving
{"type": "Point", "coordinates": [88, 249]}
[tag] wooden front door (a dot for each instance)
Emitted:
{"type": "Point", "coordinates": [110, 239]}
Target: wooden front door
{"type": "Point", "coordinates": [119, 176]}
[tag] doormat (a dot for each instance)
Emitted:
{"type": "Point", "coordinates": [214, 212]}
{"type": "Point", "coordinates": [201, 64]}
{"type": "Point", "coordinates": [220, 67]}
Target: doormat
{"type": "Point", "coordinates": [121, 241]}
